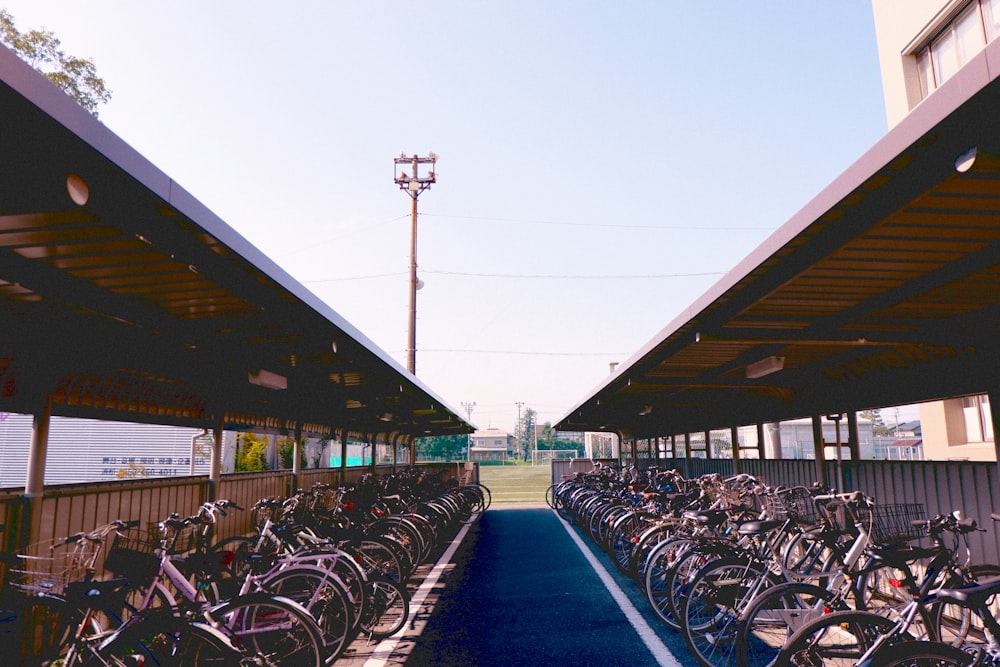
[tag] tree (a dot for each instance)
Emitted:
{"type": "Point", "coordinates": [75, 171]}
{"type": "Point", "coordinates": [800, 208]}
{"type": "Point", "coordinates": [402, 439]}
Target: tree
{"type": "Point", "coordinates": [549, 440]}
{"type": "Point", "coordinates": [77, 77]}
{"type": "Point", "coordinates": [442, 447]}
{"type": "Point", "coordinates": [286, 450]}
{"type": "Point", "coordinates": [251, 452]}
{"type": "Point", "coordinates": [527, 433]}
{"type": "Point", "coordinates": [878, 425]}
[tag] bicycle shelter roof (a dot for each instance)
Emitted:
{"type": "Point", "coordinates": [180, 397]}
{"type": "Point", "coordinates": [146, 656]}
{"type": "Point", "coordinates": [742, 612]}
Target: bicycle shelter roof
{"type": "Point", "coordinates": [122, 297]}
{"type": "Point", "coordinates": [883, 290]}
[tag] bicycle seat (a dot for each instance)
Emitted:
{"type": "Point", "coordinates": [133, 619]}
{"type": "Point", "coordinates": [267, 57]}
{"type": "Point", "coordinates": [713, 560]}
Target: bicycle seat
{"type": "Point", "coordinates": [971, 596]}
{"type": "Point", "coordinates": [897, 555]}
{"type": "Point", "coordinates": [711, 518]}
{"type": "Point", "coordinates": [758, 527]}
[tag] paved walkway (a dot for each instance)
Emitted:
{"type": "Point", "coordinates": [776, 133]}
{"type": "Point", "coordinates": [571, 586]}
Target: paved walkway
{"type": "Point", "coordinates": [521, 589]}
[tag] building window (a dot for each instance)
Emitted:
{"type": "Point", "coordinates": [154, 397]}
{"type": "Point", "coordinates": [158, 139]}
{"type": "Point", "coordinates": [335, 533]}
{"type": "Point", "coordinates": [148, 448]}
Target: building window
{"type": "Point", "coordinates": [956, 44]}
{"type": "Point", "coordinates": [978, 419]}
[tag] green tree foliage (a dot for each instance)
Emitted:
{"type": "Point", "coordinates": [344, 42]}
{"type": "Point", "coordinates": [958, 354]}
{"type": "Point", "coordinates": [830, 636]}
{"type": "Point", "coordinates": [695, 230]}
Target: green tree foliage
{"type": "Point", "coordinates": [251, 452]}
{"type": "Point", "coordinates": [548, 439]}
{"type": "Point", "coordinates": [878, 424]}
{"type": "Point", "coordinates": [442, 448]}
{"type": "Point", "coordinates": [77, 77]}
{"type": "Point", "coordinates": [286, 449]}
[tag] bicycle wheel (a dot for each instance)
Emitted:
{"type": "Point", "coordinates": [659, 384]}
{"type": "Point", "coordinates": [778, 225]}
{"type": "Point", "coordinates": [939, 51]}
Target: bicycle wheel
{"type": "Point", "coordinates": [774, 616]}
{"type": "Point", "coordinates": [386, 557]}
{"type": "Point", "coordinates": [323, 595]}
{"type": "Point", "coordinates": [40, 628]}
{"type": "Point", "coordinates": [686, 567]}
{"type": "Point", "coordinates": [622, 540]}
{"type": "Point", "coordinates": [838, 639]}
{"type": "Point", "coordinates": [926, 654]}
{"type": "Point", "coordinates": [487, 496]}
{"type": "Point", "coordinates": [956, 625]}
{"type": "Point", "coordinates": [271, 630]}
{"type": "Point", "coordinates": [649, 539]}
{"type": "Point", "coordinates": [165, 642]}
{"type": "Point", "coordinates": [387, 610]}
{"type": "Point", "coordinates": [659, 566]}
{"type": "Point", "coordinates": [709, 613]}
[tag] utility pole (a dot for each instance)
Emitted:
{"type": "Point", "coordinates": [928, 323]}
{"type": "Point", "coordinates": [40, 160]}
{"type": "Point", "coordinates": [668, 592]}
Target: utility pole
{"type": "Point", "coordinates": [517, 426]}
{"type": "Point", "coordinates": [413, 184]}
{"type": "Point", "coordinates": [468, 414]}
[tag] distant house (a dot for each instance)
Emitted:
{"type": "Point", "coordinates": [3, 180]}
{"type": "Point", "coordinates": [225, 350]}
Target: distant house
{"type": "Point", "coordinates": [491, 444]}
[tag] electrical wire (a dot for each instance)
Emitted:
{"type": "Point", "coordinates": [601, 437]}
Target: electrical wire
{"type": "Point", "coordinates": [600, 225]}
{"type": "Point", "coordinates": [526, 276]}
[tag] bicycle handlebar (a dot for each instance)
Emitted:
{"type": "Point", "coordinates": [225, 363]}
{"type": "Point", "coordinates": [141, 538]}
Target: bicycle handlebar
{"type": "Point", "coordinates": [98, 534]}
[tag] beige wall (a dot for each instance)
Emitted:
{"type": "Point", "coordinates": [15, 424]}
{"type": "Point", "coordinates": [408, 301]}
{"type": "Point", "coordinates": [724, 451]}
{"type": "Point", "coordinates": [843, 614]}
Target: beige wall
{"type": "Point", "coordinates": [942, 426]}
{"type": "Point", "coordinates": [897, 22]}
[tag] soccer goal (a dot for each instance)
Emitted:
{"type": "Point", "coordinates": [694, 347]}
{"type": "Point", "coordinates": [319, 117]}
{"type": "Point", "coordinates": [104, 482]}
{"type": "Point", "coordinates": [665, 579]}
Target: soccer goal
{"type": "Point", "coordinates": [543, 455]}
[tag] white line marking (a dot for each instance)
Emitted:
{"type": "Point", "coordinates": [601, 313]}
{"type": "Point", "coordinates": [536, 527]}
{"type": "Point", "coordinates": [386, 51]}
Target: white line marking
{"type": "Point", "coordinates": [380, 656]}
{"type": "Point", "coordinates": [660, 652]}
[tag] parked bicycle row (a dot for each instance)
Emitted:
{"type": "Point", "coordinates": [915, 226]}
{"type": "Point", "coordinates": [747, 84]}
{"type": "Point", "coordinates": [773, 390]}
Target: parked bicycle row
{"type": "Point", "coordinates": [325, 567]}
{"type": "Point", "coordinates": [754, 576]}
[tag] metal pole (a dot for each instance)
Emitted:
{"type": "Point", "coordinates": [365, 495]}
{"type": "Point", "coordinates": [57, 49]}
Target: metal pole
{"type": "Point", "coordinates": [411, 350]}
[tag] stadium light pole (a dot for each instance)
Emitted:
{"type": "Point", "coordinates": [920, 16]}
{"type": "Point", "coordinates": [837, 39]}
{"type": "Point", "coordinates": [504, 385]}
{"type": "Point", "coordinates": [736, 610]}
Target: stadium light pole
{"type": "Point", "coordinates": [413, 184]}
{"type": "Point", "coordinates": [468, 412]}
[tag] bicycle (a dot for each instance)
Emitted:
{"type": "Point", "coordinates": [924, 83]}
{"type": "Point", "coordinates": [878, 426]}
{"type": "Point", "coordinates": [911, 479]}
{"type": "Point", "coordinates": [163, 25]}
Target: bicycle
{"type": "Point", "coordinates": [39, 624]}
{"type": "Point", "coordinates": [267, 629]}
{"type": "Point", "coordinates": [869, 638]}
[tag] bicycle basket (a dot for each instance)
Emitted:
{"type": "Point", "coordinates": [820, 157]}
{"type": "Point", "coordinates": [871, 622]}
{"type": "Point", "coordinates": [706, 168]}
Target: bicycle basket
{"type": "Point", "coordinates": [892, 524]}
{"type": "Point", "coordinates": [176, 540]}
{"type": "Point", "coordinates": [842, 516]}
{"type": "Point", "coordinates": [45, 574]}
{"type": "Point", "coordinates": [134, 558]}
{"type": "Point", "coordinates": [799, 504]}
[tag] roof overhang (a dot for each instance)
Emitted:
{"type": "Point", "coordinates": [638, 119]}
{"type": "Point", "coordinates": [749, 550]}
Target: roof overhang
{"type": "Point", "coordinates": [883, 290]}
{"type": "Point", "coordinates": [122, 297]}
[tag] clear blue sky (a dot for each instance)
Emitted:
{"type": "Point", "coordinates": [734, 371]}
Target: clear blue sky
{"type": "Point", "coordinates": [601, 164]}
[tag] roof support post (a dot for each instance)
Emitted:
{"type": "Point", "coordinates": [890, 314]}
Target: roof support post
{"type": "Point", "coordinates": [215, 463]}
{"type": "Point", "coordinates": [995, 418]}
{"type": "Point", "coordinates": [370, 438]}
{"type": "Point", "coordinates": [853, 436]}
{"type": "Point", "coordinates": [708, 445]}
{"type": "Point", "coordinates": [817, 428]}
{"type": "Point", "coordinates": [343, 456]}
{"type": "Point", "coordinates": [687, 455]}
{"type": "Point", "coordinates": [734, 437]}
{"type": "Point", "coordinates": [30, 517]}
{"type": "Point", "coordinates": [34, 485]}
{"type": "Point", "coordinates": [761, 450]}
{"type": "Point", "coordinates": [296, 457]}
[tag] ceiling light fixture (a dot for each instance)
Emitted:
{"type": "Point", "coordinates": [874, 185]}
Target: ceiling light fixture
{"type": "Point", "coordinates": [268, 379]}
{"type": "Point", "coordinates": [964, 162]}
{"type": "Point", "coordinates": [766, 366]}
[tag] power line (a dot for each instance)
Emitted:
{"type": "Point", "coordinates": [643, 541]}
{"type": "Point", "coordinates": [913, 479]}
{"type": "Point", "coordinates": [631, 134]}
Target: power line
{"type": "Point", "coordinates": [541, 276]}
{"type": "Point", "coordinates": [524, 352]}
{"type": "Point", "coordinates": [601, 225]}
{"type": "Point", "coordinates": [527, 276]}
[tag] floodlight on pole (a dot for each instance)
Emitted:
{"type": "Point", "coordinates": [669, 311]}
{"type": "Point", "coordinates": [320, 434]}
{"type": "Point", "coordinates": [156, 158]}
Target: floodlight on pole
{"type": "Point", "coordinates": [414, 184]}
